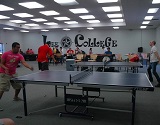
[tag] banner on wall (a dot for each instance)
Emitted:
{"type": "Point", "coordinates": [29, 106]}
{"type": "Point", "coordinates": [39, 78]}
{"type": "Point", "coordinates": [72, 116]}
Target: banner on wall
{"type": "Point", "coordinates": [81, 41]}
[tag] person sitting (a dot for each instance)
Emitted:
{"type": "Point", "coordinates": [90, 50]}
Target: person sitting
{"type": "Point", "coordinates": [90, 51]}
{"type": "Point", "coordinates": [109, 53]}
{"type": "Point", "coordinates": [27, 52]}
{"type": "Point", "coordinates": [31, 52]}
{"type": "Point", "coordinates": [70, 53]}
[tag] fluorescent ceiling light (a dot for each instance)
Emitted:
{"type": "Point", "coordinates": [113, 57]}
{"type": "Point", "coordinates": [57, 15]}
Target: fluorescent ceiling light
{"type": "Point", "coordinates": [79, 10]}
{"type": "Point", "coordinates": [4, 17]}
{"type": "Point", "coordinates": [61, 18]}
{"type": "Point", "coordinates": [114, 15]}
{"type": "Point", "coordinates": [8, 28]}
{"type": "Point", "coordinates": [93, 21]}
{"type": "Point", "coordinates": [5, 8]}
{"type": "Point", "coordinates": [148, 17]}
{"type": "Point", "coordinates": [51, 23]}
{"type": "Point", "coordinates": [111, 9]}
{"type": "Point", "coordinates": [145, 22]}
{"type": "Point", "coordinates": [66, 2]}
{"type": "Point", "coordinates": [66, 29]}
{"type": "Point", "coordinates": [90, 28]}
{"type": "Point", "coordinates": [44, 30]}
{"type": "Point", "coordinates": [31, 24]}
{"type": "Point", "coordinates": [31, 5]}
{"type": "Point", "coordinates": [24, 31]}
{"type": "Point", "coordinates": [116, 27]}
{"type": "Point", "coordinates": [49, 13]}
{"type": "Point", "coordinates": [152, 10]}
{"type": "Point", "coordinates": [155, 1]}
{"type": "Point", "coordinates": [17, 21]}
{"type": "Point", "coordinates": [87, 17]}
{"type": "Point", "coordinates": [23, 15]}
{"type": "Point", "coordinates": [143, 27]}
{"type": "Point", "coordinates": [106, 1]}
{"type": "Point", "coordinates": [39, 20]}
{"type": "Point", "coordinates": [71, 22]}
{"type": "Point", "coordinates": [117, 20]}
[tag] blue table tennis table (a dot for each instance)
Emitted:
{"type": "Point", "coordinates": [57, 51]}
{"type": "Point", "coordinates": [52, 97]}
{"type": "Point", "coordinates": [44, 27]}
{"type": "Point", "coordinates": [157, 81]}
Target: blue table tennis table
{"type": "Point", "coordinates": [87, 78]}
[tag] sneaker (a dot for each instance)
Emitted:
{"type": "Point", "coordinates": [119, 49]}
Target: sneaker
{"type": "Point", "coordinates": [158, 85]}
{"type": "Point", "coordinates": [1, 109]}
{"type": "Point", "coordinates": [17, 99]}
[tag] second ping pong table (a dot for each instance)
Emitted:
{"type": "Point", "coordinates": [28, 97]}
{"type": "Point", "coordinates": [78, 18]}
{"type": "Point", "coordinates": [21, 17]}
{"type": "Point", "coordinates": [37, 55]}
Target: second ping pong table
{"type": "Point", "coordinates": [87, 78]}
{"type": "Point", "coordinates": [133, 65]}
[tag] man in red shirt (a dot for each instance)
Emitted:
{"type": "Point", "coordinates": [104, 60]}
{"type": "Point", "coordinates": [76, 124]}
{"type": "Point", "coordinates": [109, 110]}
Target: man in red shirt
{"type": "Point", "coordinates": [44, 52]}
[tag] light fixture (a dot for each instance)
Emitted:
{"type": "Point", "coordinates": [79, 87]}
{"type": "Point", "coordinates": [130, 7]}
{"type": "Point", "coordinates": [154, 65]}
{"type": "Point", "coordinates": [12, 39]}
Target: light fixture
{"type": "Point", "coordinates": [71, 22]}
{"type": "Point", "coordinates": [51, 23]}
{"type": "Point", "coordinates": [106, 1]}
{"type": "Point", "coordinates": [44, 30]}
{"type": "Point", "coordinates": [90, 28]}
{"type": "Point", "coordinates": [6, 28]}
{"type": "Point", "coordinates": [87, 17]}
{"type": "Point", "coordinates": [114, 15]}
{"type": "Point", "coordinates": [116, 27]}
{"type": "Point", "coordinates": [79, 10]}
{"type": "Point", "coordinates": [61, 18]}
{"type": "Point", "coordinates": [152, 10]}
{"type": "Point", "coordinates": [5, 8]}
{"type": "Point", "coordinates": [23, 15]}
{"type": "Point", "coordinates": [31, 24]}
{"type": "Point", "coordinates": [24, 31]}
{"type": "Point", "coordinates": [93, 21]}
{"type": "Point", "coordinates": [4, 17]}
{"type": "Point", "coordinates": [39, 20]}
{"type": "Point", "coordinates": [31, 5]}
{"type": "Point", "coordinates": [143, 27]}
{"type": "Point", "coordinates": [17, 21]}
{"type": "Point", "coordinates": [66, 29]}
{"type": "Point", "coordinates": [148, 17]}
{"type": "Point", "coordinates": [49, 13]}
{"type": "Point", "coordinates": [155, 1]}
{"type": "Point", "coordinates": [111, 9]}
{"type": "Point", "coordinates": [66, 2]}
{"type": "Point", "coordinates": [145, 22]}
{"type": "Point", "coordinates": [117, 20]}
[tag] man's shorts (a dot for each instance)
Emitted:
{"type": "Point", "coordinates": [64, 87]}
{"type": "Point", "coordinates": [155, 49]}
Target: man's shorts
{"type": "Point", "coordinates": [43, 66]}
{"type": "Point", "coordinates": [5, 82]}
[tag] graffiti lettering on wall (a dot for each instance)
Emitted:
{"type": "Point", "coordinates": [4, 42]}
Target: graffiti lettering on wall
{"type": "Point", "coordinates": [80, 41]}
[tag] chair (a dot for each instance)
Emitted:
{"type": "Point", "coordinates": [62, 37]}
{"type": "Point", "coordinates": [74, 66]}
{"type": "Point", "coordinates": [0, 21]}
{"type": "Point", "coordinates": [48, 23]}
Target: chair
{"type": "Point", "coordinates": [79, 57]}
{"type": "Point", "coordinates": [93, 58]}
{"type": "Point", "coordinates": [145, 57]}
{"type": "Point", "coordinates": [119, 57]}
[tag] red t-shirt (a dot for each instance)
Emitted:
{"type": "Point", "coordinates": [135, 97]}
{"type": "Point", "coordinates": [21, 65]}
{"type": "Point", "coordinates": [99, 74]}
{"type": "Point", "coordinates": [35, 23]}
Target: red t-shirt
{"type": "Point", "coordinates": [11, 61]}
{"type": "Point", "coordinates": [43, 53]}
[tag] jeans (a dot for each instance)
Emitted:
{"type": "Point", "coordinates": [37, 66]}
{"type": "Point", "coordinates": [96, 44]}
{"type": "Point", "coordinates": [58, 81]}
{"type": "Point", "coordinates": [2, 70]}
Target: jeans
{"type": "Point", "coordinates": [153, 67]}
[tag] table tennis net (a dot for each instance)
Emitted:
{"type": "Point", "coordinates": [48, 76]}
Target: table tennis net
{"type": "Point", "coordinates": [80, 75]}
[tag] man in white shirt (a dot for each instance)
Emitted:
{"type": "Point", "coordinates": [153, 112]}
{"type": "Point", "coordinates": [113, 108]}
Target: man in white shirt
{"type": "Point", "coordinates": [154, 59]}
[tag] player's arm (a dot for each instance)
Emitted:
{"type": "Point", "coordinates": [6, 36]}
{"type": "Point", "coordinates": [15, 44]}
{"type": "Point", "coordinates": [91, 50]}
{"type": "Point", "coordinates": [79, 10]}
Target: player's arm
{"type": "Point", "coordinates": [27, 65]}
{"type": "Point", "coordinates": [51, 54]}
{"type": "Point", "coordinates": [3, 66]}
{"type": "Point", "coordinates": [157, 55]}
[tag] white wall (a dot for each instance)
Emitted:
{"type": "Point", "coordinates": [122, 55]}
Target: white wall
{"type": "Point", "coordinates": [8, 37]}
{"type": "Point", "coordinates": [128, 41]}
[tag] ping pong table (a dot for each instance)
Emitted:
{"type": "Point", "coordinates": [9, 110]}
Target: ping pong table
{"type": "Point", "coordinates": [87, 78]}
{"type": "Point", "coordinates": [134, 65]}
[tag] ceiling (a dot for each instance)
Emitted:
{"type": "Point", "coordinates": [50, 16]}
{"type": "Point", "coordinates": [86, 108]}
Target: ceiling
{"type": "Point", "coordinates": [133, 12]}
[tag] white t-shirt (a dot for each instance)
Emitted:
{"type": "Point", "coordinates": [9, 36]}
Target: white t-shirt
{"type": "Point", "coordinates": [153, 57]}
